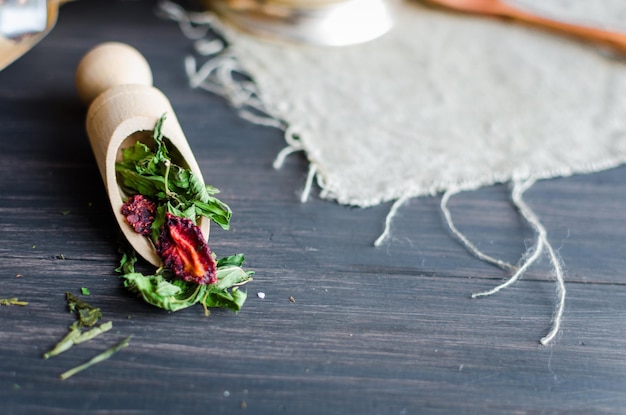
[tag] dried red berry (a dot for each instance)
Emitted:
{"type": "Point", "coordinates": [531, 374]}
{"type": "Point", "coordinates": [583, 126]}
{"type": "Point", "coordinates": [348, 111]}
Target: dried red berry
{"type": "Point", "coordinates": [184, 251]}
{"type": "Point", "coordinates": [139, 213]}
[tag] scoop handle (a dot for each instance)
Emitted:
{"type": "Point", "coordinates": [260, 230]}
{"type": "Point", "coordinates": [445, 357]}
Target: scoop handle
{"type": "Point", "coordinates": [110, 64]}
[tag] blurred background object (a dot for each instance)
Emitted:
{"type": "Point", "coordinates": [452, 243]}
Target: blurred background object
{"type": "Point", "coordinates": [20, 18]}
{"type": "Point", "coordinates": [321, 22]}
{"type": "Point", "coordinates": [23, 23]}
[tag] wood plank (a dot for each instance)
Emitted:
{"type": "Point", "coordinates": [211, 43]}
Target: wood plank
{"type": "Point", "coordinates": [388, 330]}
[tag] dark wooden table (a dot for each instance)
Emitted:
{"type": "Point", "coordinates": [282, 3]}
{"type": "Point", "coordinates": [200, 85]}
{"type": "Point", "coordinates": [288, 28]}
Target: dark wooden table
{"type": "Point", "coordinates": [388, 330]}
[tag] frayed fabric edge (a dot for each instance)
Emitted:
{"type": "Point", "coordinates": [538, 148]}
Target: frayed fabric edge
{"type": "Point", "coordinates": [217, 75]}
{"type": "Point", "coordinates": [528, 258]}
{"type": "Point", "coordinates": [221, 74]}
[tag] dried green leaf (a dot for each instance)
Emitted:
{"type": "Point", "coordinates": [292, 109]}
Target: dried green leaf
{"type": "Point", "coordinates": [97, 359]}
{"type": "Point", "coordinates": [173, 295]}
{"type": "Point", "coordinates": [154, 175]}
{"type": "Point", "coordinates": [87, 314]}
{"type": "Point", "coordinates": [217, 211]}
{"type": "Point", "coordinates": [127, 262]}
{"type": "Point", "coordinates": [12, 301]}
{"type": "Point", "coordinates": [159, 292]}
{"type": "Point", "coordinates": [134, 182]}
{"type": "Point", "coordinates": [75, 336]}
{"type": "Point", "coordinates": [233, 260]}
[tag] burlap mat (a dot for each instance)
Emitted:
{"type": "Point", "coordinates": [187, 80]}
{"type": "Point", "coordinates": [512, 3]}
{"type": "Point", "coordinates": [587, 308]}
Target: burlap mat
{"type": "Point", "coordinates": [446, 100]}
{"type": "Point", "coordinates": [443, 103]}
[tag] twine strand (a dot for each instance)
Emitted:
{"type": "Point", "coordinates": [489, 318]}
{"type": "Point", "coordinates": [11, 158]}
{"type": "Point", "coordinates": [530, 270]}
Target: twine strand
{"type": "Point", "coordinates": [306, 192]}
{"type": "Point", "coordinates": [532, 254]}
{"type": "Point", "coordinates": [473, 249]}
{"type": "Point", "coordinates": [529, 258]}
{"type": "Point", "coordinates": [390, 216]}
{"type": "Point", "coordinates": [533, 220]}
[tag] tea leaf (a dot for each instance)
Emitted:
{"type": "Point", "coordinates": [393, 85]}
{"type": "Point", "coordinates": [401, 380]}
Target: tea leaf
{"type": "Point", "coordinates": [75, 336]}
{"type": "Point", "coordinates": [12, 301]}
{"type": "Point", "coordinates": [173, 295]}
{"type": "Point", "coordinates": [97, 359]}
{"type": "Point", "coordinates": [87, 314]}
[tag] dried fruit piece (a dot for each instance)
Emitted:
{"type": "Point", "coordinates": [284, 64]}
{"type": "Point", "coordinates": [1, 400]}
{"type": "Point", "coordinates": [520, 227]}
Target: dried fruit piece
{"type": "Point", "coordinates": [139, 212]}
{"type": "Point", "coordinates": [184, 251]}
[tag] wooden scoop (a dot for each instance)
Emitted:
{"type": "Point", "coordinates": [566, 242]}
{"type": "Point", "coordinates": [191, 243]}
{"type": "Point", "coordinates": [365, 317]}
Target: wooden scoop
{"type": "Point", "coordinates": [116, 81]}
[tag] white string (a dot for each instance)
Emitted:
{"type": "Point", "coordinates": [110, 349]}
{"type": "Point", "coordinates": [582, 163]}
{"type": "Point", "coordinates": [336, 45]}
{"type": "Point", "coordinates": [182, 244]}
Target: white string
{"type": "Point", "coordinates": [282, 155]}
{"type": "Point", "coordinates": [518, 191]}
{"type": "Point", "coordinates": [560, 307]}
{"type": "Point", "coordinates": [392, 213]}
{"type": "Point", "coordinates": [519, 187]}
{"type": "Point", "coordinates": [536, 253]}
{"type": "Point", "coordinates": [261, 119]}
{"type": "Point", "coordinates": [193, 25]}
{"type": "Point", "coordinates": [466, 242]}
{"type": "Point", "coordinates": [542, 233]}
{"type": "Point", "coordinates": [293, 145]}
{"type": "Point", "coordinates": [309, 184]}
{"type": "Point", "coordinates": [198, 76]}
{"type": "Point", "coordinates": [206, 47]}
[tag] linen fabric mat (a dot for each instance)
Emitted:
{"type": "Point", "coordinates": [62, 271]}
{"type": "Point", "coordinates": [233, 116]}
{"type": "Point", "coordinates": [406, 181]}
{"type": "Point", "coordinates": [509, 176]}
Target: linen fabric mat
{"type": "Point", "coordinates": [444, 100]}
{"type": "Point", "coordinates": [444, 103]}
